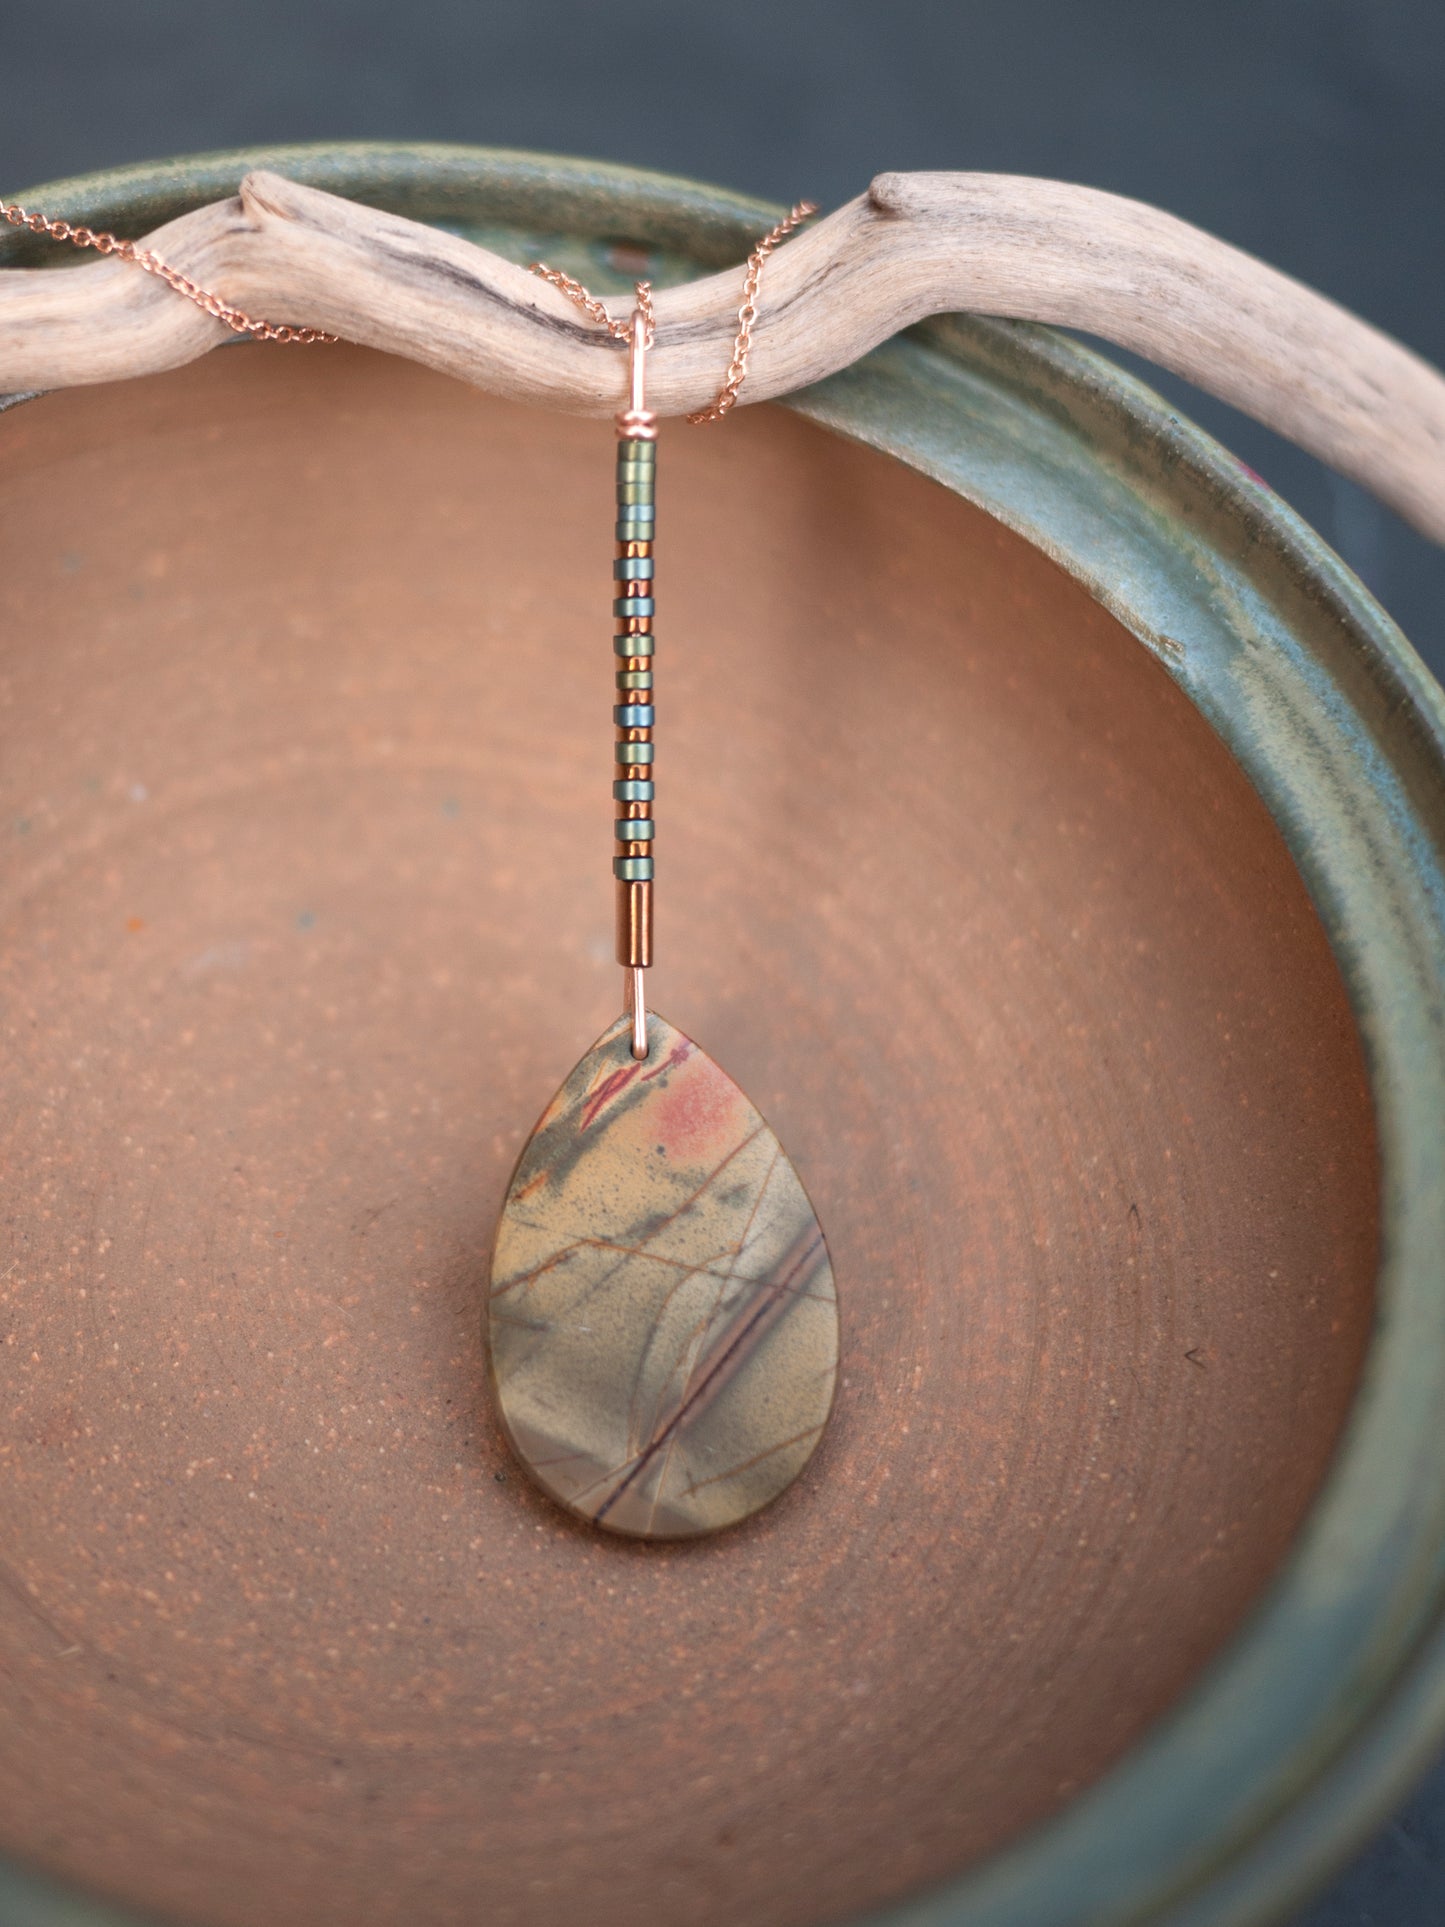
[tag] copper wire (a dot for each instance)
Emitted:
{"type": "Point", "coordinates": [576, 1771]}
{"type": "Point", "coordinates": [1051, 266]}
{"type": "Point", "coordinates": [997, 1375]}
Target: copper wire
{"type": "Point", "coordinates": [637, 1010]}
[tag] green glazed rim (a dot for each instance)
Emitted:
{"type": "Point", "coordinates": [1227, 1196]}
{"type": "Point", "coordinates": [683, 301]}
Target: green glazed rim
{"type": "Point", "coordinates": [1309, 1727]}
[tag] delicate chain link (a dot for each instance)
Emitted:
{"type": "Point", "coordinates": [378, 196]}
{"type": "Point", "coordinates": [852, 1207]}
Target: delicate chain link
{"type": "Point", "coordinates": [236, 319]}
{"type": "Point", "coordinates": [747, 314]}
{"type": "Point", "coordinates": [593, 308]}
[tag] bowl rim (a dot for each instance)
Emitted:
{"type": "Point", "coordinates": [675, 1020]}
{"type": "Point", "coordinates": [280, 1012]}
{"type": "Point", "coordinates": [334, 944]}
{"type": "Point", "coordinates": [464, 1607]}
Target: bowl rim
{"type": "Point", "coordinates": [1300, 1736]}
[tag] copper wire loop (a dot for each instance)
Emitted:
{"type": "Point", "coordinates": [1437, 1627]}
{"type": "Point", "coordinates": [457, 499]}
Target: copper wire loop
{"type": "Point", "coordinates": [236, 319]}
{"type": "Point", "coordinates": [737, 372]}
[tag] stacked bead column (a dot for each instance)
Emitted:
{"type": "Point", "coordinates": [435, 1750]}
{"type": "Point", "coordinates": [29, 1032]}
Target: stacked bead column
{"type": "Point", "coordinates": [633, 781]}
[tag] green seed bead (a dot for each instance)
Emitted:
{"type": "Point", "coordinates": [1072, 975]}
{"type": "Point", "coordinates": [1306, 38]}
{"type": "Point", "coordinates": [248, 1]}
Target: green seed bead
{"type": "Point", "coordinates": [633, 568]}
{"type": "Point", "coordinates": [634, 679]}
{"type": "Point", "coordinates": [633, 451]}
{"type": "Point", "coordinates": [634, 829]}
{"type": "Point", "coordinates": [632, 869]}
{"type": "Point", "coordinates": [632, 645]}
{"type": "Point", "coordinates": [633, 752]}
{"type": "Point", "coordinates": [633, 789]}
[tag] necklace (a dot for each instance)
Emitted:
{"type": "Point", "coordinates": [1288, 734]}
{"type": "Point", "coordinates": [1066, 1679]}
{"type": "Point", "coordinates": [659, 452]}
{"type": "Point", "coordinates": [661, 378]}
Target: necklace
{"type": "Point", "coordinates": [662, 1324]}
{"type": "Point", "coordinates": [662, 1320]}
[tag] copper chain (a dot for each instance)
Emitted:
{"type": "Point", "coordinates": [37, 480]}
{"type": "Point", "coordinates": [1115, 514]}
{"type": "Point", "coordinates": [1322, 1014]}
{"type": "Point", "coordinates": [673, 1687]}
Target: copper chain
{"type": "Point", "coordinates": [236, 319]}
{"type": "Point", "coordinates": [241, 323]}
{"type": "Point", "coordinates": [593, 308]}
{"type": "Point", "coordinates": [747, 314]}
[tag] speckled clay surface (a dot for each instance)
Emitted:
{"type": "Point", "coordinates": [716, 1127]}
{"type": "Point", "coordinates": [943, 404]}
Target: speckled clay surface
{"type": "Point", "coordinates": [305, 911]}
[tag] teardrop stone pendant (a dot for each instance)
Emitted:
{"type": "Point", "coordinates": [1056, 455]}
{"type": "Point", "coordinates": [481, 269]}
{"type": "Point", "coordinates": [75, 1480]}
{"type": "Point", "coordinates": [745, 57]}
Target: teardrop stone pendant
{"type": "Point", "coordinates": [662, 1321]}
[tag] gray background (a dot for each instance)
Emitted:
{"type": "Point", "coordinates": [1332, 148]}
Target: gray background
{"type": "Point", "coordinates": [1311, 132]}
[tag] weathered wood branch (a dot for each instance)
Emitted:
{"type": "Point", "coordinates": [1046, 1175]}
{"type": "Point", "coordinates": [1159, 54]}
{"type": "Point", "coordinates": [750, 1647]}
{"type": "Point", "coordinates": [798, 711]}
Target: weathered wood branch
{"type": "Point", "coordinates": [914, 245]}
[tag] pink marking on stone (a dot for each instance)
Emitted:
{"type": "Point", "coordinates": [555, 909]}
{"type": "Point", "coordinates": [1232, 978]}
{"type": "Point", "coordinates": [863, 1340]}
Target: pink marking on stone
{"type": "Point", "coordinates": [698, 1113]}
{"type": "Point", "coordinates": [611, 1086]}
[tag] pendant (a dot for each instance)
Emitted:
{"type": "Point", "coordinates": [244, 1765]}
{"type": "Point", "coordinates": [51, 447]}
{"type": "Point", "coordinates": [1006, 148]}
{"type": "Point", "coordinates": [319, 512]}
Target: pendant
{"type": "Point", "coordinates": [662, 1321]}
{"type": "Point", "coordinates": [662, 1325]}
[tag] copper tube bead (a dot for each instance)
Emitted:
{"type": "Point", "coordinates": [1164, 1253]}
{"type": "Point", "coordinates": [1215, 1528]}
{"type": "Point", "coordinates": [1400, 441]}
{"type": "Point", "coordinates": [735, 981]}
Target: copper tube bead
{"type": "Point", "coordinates": [634, 925]}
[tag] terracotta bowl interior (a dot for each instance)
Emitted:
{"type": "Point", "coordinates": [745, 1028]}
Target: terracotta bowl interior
{"type": "Point", "coordinates": [306, 913]}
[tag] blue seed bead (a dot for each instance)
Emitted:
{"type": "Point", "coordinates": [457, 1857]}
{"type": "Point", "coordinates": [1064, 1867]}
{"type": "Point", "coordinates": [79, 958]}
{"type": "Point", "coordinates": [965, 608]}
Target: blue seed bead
{"type": "Point", "coordinates": [631, 644]}
{"type": "Point", "coordinates": [633, 568]}
{"type": "Point", "coordinates": [634, 531]}
{"type": "Point", "coordinates": [632, 507]}
{"type": "Point", "coordinates": [632, 869]}
{"type": "Point", "coordinates": [633, 752]}
{"type": "Point", "coordinates": [631, 789]}
{"type": "Point", "coordinates": [633, 605]}
{"type": "Point", "coordinates": [634, 829]}
{"type": "Point", "coordinates": [633, 715]}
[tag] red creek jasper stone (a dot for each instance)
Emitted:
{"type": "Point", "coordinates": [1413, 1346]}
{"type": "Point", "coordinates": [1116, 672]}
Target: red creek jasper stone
{"type": "Point", "coordinates": [662, 1320]}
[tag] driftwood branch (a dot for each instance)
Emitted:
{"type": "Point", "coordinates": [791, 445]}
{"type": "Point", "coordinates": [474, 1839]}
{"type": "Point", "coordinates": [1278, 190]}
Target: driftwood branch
{"type": "Point", "coordinates": [914, 245]}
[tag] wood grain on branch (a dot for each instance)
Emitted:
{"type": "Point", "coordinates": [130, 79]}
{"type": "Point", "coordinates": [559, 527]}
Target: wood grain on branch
{"type": "Point", "coordinates": [913, 246]}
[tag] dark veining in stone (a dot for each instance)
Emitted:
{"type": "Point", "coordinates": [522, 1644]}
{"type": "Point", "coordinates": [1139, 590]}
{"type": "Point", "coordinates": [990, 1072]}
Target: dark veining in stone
{"type": "Point", "coordinates": [662, 1320]}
